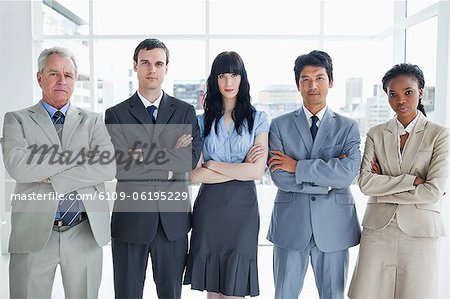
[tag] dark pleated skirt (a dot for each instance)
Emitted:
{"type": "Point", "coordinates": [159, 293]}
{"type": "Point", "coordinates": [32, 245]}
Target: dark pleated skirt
{"type": "Point", "coordinates": [224, 241]}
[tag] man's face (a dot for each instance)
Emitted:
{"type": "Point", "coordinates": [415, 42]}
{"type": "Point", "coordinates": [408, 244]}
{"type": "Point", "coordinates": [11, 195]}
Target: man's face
{"type": "Point", "coordinates": [57, 80]}
{"type": "Point", "coordinates": [151, 69]}
{"type": "Point", "coordinates": [313, 85]}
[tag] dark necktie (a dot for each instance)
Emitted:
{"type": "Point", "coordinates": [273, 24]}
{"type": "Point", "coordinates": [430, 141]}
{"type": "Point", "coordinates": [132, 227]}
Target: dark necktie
{"type": "Point", "coordinates": [69, 209]}
{"type": "Point", "coordinates": [314, 126]}
{"type": "Point", "coordinates": [151, 109]}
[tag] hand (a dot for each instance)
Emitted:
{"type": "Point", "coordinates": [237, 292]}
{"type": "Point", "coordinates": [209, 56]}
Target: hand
{"type": "Point", "coordinates": [255, 152]}
{"type": "Point", "coordinates": [208, 164]}
{"type": "Point", "coordinates": [375, 166]}
{"type": "Point", "coordinates": [135, 154]}
{"type": "Point", "coordinates": [342, 156]}
{"type": "Point", "coordinates": [184, 141]}
{"type": "Point", "coordinates": [418, 181]}
{"type": "Point", "coordinates": [44, 181]}
{"type": "Point", "coordinates": [282, 162]}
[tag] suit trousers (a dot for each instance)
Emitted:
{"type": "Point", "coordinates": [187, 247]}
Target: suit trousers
{"type": "Point", "coordinates": [289, 269]}
{"type": "Point", "coordinates": [392, 264]}
{"type": "Point", "coordinates": [77, 253]}
{"type": "Point", "coordinates": [168, 262]}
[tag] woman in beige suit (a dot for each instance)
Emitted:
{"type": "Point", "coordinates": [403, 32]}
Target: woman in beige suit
{"type": "Point", "coordinates": [404, 171]}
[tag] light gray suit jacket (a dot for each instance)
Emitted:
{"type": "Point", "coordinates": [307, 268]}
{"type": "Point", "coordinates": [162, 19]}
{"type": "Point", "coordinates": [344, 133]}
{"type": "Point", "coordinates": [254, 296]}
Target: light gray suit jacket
{"type": "Point", "coordinates": [305, 205]}
{"type": "Point", "coordinates": [32, 220]}
{"type": "Point", "coordinates": [426, 155]}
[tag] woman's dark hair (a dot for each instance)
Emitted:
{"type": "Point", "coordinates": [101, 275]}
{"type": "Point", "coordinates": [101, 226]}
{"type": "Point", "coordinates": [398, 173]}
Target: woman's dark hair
{"type": "Point", "coordinates": [227, 62]}
{"type": "Point", "coordinates": [406, 69]}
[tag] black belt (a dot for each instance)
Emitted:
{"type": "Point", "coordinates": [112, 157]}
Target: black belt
{"type": "Point", "coordinates": [59, 225]}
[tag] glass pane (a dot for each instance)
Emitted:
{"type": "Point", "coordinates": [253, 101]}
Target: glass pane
{"type": "Point", "coordinates": [357, 69]}
{"type": "Point", "coordinates": [81, 96]}
{"type": "Point", "coordinates": [269, 65]}
{"type": "Point", "coordinates": [270, 17]}
{"type": "Point", "coordinates": [352, 17]}
{"type": "Point", "coordinates": [417, 37]}
{"type": "Point", "coordinates": [149, 17]}
{"type": "Point", "coordinates": [65, 17]}
{"type": "Point", "coordinates": [114, 67]}
{"type": "Point", "coordinates": [414, 6]}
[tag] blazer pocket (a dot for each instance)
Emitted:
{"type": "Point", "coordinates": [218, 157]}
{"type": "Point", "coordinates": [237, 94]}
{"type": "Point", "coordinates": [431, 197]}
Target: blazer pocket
{"type": "Point", "coordinates": [435, 207]}
{"type": "Point", "coordinates": [284, 197]}
{"type": "Point", "coordinates": [344, 199]}
{"type": "Point", "coordinates": [331, 152]}
{"type": "Point", "coordinates": [422, 161]}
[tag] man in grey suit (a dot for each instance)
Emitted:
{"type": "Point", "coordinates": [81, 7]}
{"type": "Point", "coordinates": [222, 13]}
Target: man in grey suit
{"type": "Point", "coordinates": [314, 158]}
{"type": "Point", "coordinates": [154, 218]}
{"type": "Point", "coordinates": [53, 150]}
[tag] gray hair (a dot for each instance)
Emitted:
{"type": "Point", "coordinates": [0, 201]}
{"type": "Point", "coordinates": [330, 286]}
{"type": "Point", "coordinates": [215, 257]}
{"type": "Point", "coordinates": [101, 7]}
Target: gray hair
{"type": "Point", "coordinates": [63, 52]}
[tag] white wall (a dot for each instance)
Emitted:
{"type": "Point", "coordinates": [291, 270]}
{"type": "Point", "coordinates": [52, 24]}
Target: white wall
{"type": "Point", "coordinates": [16, 78]}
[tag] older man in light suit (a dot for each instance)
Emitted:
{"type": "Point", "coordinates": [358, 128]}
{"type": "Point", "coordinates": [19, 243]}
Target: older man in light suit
{"type": "Point", "coordinates": [314, 158]}
{"type": "Point", "coordinates": [58, 154]}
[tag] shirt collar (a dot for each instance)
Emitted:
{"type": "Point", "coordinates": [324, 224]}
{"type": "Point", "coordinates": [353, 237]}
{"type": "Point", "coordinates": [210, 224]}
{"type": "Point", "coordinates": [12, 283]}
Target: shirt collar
{"type": "Point", "coordinates": [147, 102]}
{"type": "Point", "coordinates": [409, 128]}
{"type": "Point", "coordinates": [52, 110]}
{"type": "Point", "coordinates": [319, 114]}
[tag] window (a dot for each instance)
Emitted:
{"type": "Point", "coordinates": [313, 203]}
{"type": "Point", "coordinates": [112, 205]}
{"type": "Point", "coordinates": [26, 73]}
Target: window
{"type": "Point", "coordinates": [421, 46]}
{"type": "Point", "coordinates": [149, 17]}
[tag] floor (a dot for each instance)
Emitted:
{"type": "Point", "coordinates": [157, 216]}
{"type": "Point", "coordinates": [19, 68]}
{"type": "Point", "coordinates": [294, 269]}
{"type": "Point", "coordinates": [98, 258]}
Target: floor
{"type": "Point", "coordinates": [106, 288]}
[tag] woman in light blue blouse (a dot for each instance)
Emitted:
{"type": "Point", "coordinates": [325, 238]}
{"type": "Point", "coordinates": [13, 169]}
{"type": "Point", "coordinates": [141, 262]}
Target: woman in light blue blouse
{"type": "Point", "coordinates": [223, 252]}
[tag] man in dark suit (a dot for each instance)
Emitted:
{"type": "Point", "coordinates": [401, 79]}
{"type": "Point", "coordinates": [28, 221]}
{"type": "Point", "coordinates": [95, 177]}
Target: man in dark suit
{"type": "Point", "coordinates": [157, 141]}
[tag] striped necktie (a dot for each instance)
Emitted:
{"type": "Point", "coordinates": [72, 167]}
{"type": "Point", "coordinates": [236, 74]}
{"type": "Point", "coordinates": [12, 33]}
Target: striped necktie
{"type": "Point", "coordinates": [69, 209]}
{"type": "Point", "coordinates": [58, 121]}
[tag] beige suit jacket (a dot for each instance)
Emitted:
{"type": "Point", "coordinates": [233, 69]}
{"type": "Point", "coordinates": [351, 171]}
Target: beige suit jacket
{"type": "Point", "coordinates": [426, 154]}
{"type": "Point", "coordinates": [32, 220]}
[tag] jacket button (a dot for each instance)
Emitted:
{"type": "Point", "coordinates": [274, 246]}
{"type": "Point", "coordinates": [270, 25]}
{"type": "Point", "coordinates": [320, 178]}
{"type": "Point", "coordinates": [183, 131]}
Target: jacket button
{"type": "Point", "coordinates": [313, 198]}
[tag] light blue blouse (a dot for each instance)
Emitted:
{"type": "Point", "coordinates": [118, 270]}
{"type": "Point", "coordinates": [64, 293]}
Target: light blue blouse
{"type": "Point", "coordinates": [229, 146]}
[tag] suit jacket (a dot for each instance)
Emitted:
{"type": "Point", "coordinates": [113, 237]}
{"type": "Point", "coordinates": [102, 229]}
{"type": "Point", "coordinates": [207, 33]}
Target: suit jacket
{"type": "Point", "coordinates": [418, 209]}
{"type": "Point", "coordinates": [32, 220]}
{"type": "Point", "coordinates": [316, 199]}
{"type": "Point", "coordinates": [129, 124]}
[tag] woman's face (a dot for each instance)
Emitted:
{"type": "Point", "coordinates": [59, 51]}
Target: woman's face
{"type": "Point", "coordinates": [229, 85]}
{"type": "Point", "coordinates": [403, 94]}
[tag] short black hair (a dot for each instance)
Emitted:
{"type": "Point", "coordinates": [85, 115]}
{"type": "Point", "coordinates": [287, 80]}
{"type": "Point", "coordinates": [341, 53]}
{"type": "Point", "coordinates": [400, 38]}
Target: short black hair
{"type": "Point", "coordinates": [149, 44]}
{"type": "Point", "coordinates": [316, 58]}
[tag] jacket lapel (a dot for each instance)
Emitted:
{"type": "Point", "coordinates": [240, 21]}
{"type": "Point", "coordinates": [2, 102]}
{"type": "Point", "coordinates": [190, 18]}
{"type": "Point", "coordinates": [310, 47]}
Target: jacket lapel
{"type": "Point", "coordinates": [165, 111]}
{"type": "Point", "coordinates": [303, 127]}
{"type": "Point", "coordinates": [324, 129]}
{"type": "Point", "coordinates": [40, 116]}
{"type": "Point", "coordinates": [71, 122]}
{"type": "Point", "coordinates": [391, 147]}
{"type": "Point", "coordinates": [414, 141]}
{"type": "Point", "coordinates": [139, 112]}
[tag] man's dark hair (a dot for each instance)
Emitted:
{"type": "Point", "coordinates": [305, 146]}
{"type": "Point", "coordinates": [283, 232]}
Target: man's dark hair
{"type": "Point", "coordinates": [316, 58]}
{"type": "Point", "coordinates": [149, 44]}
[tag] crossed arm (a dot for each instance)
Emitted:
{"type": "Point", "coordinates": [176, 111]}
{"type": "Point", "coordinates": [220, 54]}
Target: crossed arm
{"type": "Point", "coordinates": [181, 158]}
{"type": "Point", "coordinates": [314, 176]}
{"type": "Point", "coordinates": [65, 177]}
{"type": "Point", "coordinates": [405, 188]}
{"type": "Point", "coordinates": [251, 168]}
